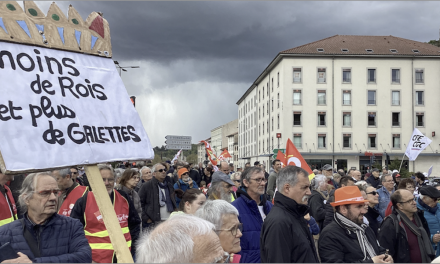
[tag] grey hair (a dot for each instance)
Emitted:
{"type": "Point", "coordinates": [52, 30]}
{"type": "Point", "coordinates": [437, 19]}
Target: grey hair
{"type": "Point", "coordinates": [361, 183]}
{"type": "Point", "coordinates": [102, 167]}
{"type": "Point", "coordinates": [385, 175]}
{"type": "Point", "coordinates": [247, 173]}
{"type": "Point", "coordinates": [118, 173]}
{"type": "Point", "coordinates": [64, 172]}
{"type": "Point", "coordinates": [213, 211]}
{"type": "Point", "coordinates": [319, 179]}
{"type": "Point", "coordinates": [153, 246]}
{"type": "Point", "coordinates": [157, 164]}
{"type": "Point", "coordinates": [235, 174]}
{"type": "Point", "coordinates": [143, 168]}
{"type": "Point", "coordinates": [28, 187]}
{"type": "Point", "coordinates": [289, 174]}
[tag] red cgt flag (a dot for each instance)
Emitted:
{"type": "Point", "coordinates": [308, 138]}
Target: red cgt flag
{"type": "Point", "coordinates": [293, 157]}
{"type": "Point", "coordinates": [281, 157]}
{"type": "Point", "coordinates": [211, 154]}
{"type": "Point", "coordinates": [225, 154]}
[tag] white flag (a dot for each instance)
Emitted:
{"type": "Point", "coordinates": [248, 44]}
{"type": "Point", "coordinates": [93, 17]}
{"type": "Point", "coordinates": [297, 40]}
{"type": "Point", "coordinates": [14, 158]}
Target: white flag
{"type": "Point", "coordinates": [176, 157]}
{"type": "Point", "coordinates": [417, 143]}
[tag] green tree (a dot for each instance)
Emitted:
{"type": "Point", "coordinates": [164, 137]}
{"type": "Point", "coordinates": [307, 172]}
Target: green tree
{"type": "Point", "coordinates": [191, 158]}
{"type": "Point", "coordinates": [156, 159]}
{"type": "Point", "coordinates": [434, 42]}
{"type": "Point", "coordinates": [395, 165]}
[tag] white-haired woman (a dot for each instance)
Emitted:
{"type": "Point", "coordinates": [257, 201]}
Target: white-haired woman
{"type": "Point", "coordinates": [318, 199]}
{"type": "Point", "coordinates": [224, 216]}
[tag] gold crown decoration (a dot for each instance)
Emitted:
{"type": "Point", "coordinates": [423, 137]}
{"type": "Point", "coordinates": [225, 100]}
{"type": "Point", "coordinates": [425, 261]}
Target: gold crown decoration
{"type": "Point", "coordinates": [54, 30]}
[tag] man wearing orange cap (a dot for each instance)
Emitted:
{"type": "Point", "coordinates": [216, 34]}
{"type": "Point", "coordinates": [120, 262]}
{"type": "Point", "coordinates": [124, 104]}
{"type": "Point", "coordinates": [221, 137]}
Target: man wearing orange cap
{"type": "Point", "coordinates": [348, 239]}
{"type": "Point", "coordinates": [184, 183]}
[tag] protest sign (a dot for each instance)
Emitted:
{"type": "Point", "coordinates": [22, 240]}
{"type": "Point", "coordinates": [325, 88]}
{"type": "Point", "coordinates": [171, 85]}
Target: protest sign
{"type": "Point", "coordinates": [60, 108]}
{"type": "Point", "coordinates": [416, 144]}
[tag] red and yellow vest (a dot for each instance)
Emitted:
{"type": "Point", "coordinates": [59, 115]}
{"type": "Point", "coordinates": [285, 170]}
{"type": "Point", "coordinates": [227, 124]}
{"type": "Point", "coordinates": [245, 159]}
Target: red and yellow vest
{"type": "Point", "coordinates": [6, 216]}
{"type": "Point", "coordinates": [96, 232]}
{"type": "Point", "coordinates": [69, 202]}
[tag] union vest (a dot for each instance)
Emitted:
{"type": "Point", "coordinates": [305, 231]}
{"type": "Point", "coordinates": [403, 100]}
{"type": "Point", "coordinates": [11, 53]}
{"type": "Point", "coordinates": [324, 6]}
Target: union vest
{"type": "Point", "coordinates": [69, 202]}
{"type": "Point", "coordinates": [96, 232]}
{"type": "Point", "coordinates": [6, 215]}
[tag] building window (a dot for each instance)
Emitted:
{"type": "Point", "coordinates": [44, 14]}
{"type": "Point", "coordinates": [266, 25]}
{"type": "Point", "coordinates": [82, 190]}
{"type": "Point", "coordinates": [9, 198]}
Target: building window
{"type": "Point", "coordinates": [278, 79]}
{"type": "Point", "coordinates": [297, 140]}
{"type": "Point", "coordinates": [263, 131]}
{"type": "Point", "coordinates": [263, 110]}
{"type": "Point", "coordinates": [371, 75]}
{"type": "Point", "coordinates": [396, 119]}
{"type": "Point", "coordinates": [272, 123]}
{"type": "Point", "coordinates": [259, 130]}
{"type": "Point", "coordinates": [371, 119]}
{"type": "Point", "coordinates": [371, 97]}
{"type": "Point", "coordinates": [419, 119]}
{"type": "Point", "coordinates": [321, 75]}
{"type": "Point", "coordinates": [272, 105]}
{"type": "Point", "coordinates": [395, 98]}
{"type": "Point", "coordinates": [346, 119]}
{"type": "Point", "coordinates": [346, 97]}
{"type": "Point", "coordinates": [346, 75]}
{"type": "Point", "coordinates": [267, 108]}
{"type": "Point", "coordinates": [395, 76]}
{"type": "Point", "coordinates": [259, 112]}
{"type": "Point", "coordinates": [420, 78]}
{"type": "Point", "coordinates": [297, 75]}
{"type": "Point", "coordinates": [278, 121]}
{"type": "Point", "coordinates": [321, 141]}
{"type": "Point", "coordinates": [372, 141]}
{"type": "Point", "coordinates": [297, 97]}
{"type": "Point", "coordinates": [272, 84]}
{"type": "Point", "coordinates": [396, 141]}
{"type": "Point", "coordinates": [321, 119]}
{"type": "Point", "coordinates": [296, 118]}
{"type": "Point", "coordinates": [321, 97]}
{"type": "Point", "coordinates": [259, 96]}
{"type": "Point", "coordinates": [267, 128]}
{"type": "Point", "coordinates": [346, 142]}
{"type": "Point", "coordinates": [278, 100]}
{"type": "Point", "coordinates": [263, 92]}
{"type": "Point", "coordinates": [419, 98]}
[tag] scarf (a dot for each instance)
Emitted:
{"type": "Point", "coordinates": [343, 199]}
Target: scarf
{"type": "Point", "coordinates": [428, 208]}
{"type": "Point", "coordinates": [324, 194]}
{"type": "Point", "coordinates": [366, 247]}
{"type": "Point", "coordinates": [426, 249]}
{"type": "Point", "coordinates": [165, 199]}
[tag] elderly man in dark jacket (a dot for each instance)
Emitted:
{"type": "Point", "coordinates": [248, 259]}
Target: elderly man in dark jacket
{"type": "Point", "coordinates": [318, 199]}
{"type": "Point", "coordinates": [285, 236]}
{"type": "Point", "coordinates": [347, 239]}
{"type": "Point", "coordinates": [43, 235]}
{"type": "Point", "coordinates": [157, 206]}
{"type": "Point", "coordinates": [250, 197]}
{"type": "Point", "coordinates": [405, 232]}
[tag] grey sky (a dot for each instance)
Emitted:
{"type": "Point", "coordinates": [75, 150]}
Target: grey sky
{"type": "Point", "coordinates": [198, 58]}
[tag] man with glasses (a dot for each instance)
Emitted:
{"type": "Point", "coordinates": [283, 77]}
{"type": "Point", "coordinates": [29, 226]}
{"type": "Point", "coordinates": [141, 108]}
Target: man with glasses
{"type": "Point", "coordinates": [71, 190]}
{"type": "Point", "coordinates": [157, 197]}
{"type": "Point", "coordinates": [43, 235]}
{"type": "Point", "coordinates": [405, 232]}
{"type": "Point", "coordinates": [253, 208]}
{"type": "Point", "coordinates": [385, 192]}
{"type": "Point", "coordinates": [373, 216]}
{"type": "Point", "coordinates": [185, 182]}
{"type": "Point", "coordinates": [428, 203]}
{"type": "Point", "coordinates": [75, 175]}
{"type": "Point", "coordinates": [87, 211]}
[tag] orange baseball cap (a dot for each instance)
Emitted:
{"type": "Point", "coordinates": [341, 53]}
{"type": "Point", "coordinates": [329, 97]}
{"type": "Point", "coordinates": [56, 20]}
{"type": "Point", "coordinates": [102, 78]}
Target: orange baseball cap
{"type": "Point", "coordinates": [181, 171]}
{"type": "Point", "coordinates": [348, 195]}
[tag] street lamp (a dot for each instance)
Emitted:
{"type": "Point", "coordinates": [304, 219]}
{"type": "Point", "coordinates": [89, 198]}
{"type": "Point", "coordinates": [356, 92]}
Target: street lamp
{"type": "Point", "coordinates": [123, 68]}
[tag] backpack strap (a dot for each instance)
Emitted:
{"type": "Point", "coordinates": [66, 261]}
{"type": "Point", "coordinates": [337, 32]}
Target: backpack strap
{"type": "Point", "coordinates": [395, 219]}
{"type": "Point", "coordinates": [30, 239]}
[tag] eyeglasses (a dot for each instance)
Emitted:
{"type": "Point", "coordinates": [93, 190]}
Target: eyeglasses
{"type": "Point", "coordinates": [389, 181]}
{"type": "Point", "coordinates": [186, 173]}
{"type": "Point", "coordinates": [373, 193]}
{"type": "Point", "coordinates": [222, 259]}
{"type": "Point", "coordinates": [47, 193]}
{"type": "Point", "coordinates": [237, 180]}
{"type": "Point", "coordinates": [161, 170]}
{"type": "Point", "coordinates": [409, 201]}
{"type": "Point", "coordinates": [234, 229]}
{"type": "Point", "coordinates": [136, 177]}
{"type": "Point", "coordinates": [74, 172]}
{"type": "Point", "coordinates": [259, 180]}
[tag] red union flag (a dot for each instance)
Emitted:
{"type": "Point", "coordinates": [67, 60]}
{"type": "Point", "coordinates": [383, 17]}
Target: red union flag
{"type": "Point", "coordinates": [225, 154]}
{"type": "Point", "coordinates": [211, 154]}
{"type": "Point", "coordinates": [294, 158]}
{"type": "Point", "coordinates": [282, 158]}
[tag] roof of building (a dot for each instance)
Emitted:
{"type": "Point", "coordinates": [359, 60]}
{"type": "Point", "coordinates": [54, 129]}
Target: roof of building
{"type": "Point", "coordinates": [366, 45]}
{"type": "Point", "coordinates": [233, 134]}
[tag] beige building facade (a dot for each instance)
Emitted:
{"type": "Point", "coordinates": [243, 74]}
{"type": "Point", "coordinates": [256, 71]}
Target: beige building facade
{"type": "Point", "coordinates": [343, 99]}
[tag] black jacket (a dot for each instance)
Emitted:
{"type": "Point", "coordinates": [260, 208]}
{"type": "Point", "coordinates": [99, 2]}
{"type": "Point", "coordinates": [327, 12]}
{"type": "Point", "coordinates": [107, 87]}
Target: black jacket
{"type": "Point", "coordinates": [337, 244]}
{"type": "Point", "coordinates": [195, 176]}
{"type": "Point", "coordinates": [371, 216]}
{"type": "Point", "coordinates": [398, 244]}
{"type": "Point", "coordinates": [329, 211]}
{"type": "Point", "coordinates": [285, 236]}
{"type": "Point", "coordinates": [317, 208]}
{"type": "Point", "coordinates": [373, 181]}
{"type": "Point", "coordinates": [149, 195]}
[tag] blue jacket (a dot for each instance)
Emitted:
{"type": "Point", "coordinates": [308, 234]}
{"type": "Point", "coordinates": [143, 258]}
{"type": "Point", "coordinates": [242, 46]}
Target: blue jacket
{"type": "Point", "coordinates": [61, 240]}
{"type": "Point", "coordinates": [250, 217]}
{"type": "Point", "coordinates": [183, 187]}
{"type": "Point", "coordinates": [384, 200]}
{"type": "Point", "coordinates": [433, 220]}
{"type": "Point", "coordinates": [313, 226]}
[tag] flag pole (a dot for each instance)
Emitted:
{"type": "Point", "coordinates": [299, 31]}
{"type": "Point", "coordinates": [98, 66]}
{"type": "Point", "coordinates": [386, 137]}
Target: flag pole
{"type": "Point", "coordinates": [402, 162]}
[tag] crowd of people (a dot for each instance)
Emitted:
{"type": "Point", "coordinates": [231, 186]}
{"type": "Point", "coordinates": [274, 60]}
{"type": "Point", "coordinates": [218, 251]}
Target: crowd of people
{"type": "Point", "coordinates": [184, 212]}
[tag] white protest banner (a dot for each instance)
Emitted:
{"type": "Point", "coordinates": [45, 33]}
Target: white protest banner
{"type": "Point", "coordinates": [417, 144]}
{"type": "Point", "coordinates": [60, 108]}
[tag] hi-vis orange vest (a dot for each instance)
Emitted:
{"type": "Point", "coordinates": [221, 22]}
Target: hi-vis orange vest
{"type": "Point", "coordinates": [69, 202]}
{"type": "Point", "coordinates": [97, 234]}
{"type": "Point", "coordinates": [6, 216]}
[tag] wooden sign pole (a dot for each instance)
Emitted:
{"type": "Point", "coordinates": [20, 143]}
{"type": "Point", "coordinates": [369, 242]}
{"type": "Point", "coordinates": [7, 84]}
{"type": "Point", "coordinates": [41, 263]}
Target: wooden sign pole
{"type": "Point", "coordinates": [108, 214]}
